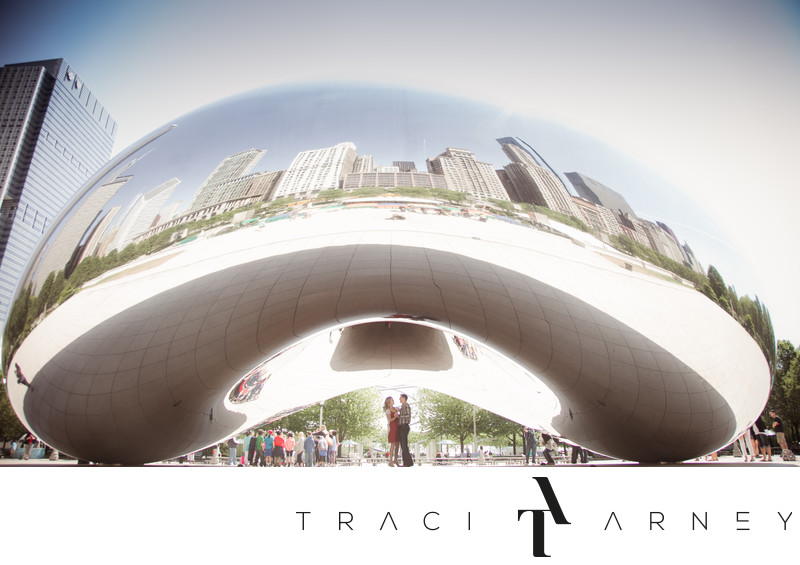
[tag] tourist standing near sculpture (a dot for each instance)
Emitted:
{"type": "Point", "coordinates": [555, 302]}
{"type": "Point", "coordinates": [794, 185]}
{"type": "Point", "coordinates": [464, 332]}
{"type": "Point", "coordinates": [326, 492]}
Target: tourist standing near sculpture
{"type": "Point", "coordinates": [232, 446]}
{"type": "Point", "coordinates": [269, 443]}
{"type": "Point", "coordinates": [403, 427]}
{"type": "Point", "coordinates": [529, 441]}
{"type": "Point", "coordinates": [333, 445]}
{"type": "Point", "coordinates": [763, 440]}
{"type": "Point", "coordinates": [277, 449]}
{"type": "Point", "coordinates": [250, 446]}
{"type": "Point", "coordinates": [777, 425]}
{"type": "Point", "coordinates": [300, 449]}
{"type": "Point", "coordinates": [258, 460]}
{"type": "Point", "coordinates": [391, 417]}
{"type": "Point", "coordinates": [746, 447]}
{"type": "Point", "coordinates": [322, 449]}
{"type": "Point", "coordinates": [289, 447]}
{"type": "Point", "coordinates": [309, 448]}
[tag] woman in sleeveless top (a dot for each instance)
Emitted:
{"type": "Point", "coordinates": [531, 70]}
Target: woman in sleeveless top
{"type": "Point", "coordinates": [391, 417]}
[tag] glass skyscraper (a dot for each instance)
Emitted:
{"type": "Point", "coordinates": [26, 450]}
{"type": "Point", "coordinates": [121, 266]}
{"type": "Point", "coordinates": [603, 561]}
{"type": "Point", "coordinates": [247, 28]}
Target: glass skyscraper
{"type": "Point", "coordinates": [54, 135]}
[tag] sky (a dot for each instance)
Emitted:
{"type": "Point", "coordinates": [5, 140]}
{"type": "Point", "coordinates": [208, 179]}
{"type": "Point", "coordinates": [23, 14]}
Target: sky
{"type": "Point", "coordinates": [703, 94]}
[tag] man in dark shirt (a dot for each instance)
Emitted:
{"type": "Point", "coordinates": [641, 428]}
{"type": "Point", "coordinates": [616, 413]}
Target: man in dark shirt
{"type": "Point", "coordinates": [403, 427]}
{"type": "Point", "coordinates": [777, 425]}
{"type": "Point", "coordinates": [529, 439]}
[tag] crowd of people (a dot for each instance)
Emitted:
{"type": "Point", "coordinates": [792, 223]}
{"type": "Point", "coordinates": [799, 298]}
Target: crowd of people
{"type": "Point", "coordinates": [282, 448]}
{"type": "Point", "coordinates": [755, 442]}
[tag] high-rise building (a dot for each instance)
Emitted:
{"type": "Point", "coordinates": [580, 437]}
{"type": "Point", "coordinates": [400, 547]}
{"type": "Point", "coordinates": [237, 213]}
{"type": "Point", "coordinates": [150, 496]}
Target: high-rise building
{"type": "Point", "coordinates": [597, 216]}
{"type": "Point", "coordinates": [54, 135]}
{"type": "Point", "coordinates": [170, 211]}
{"type": "Point", "coordinates": [393, 180]}
{"type": "Point", "coordinates": [662, 241]}
{"type": "Point", "coordinates": [533, 181]}
{"type": "Point", "coordinates": [463, 172]}
{"type": "Point", "coordinates": [317, 169]}
{"type": "Point", "coordinates": [687, 255]}
{"type": "Point", "coordinates": [405, 166]}
{"type": "Point", "coordinates": [598, 193]}
{"type": "Point", "coordinates": [227, 179]}
{"type": "Point", "coordinates": [364, 164]}
{"type": "Point", "coordinates": [141, 213]}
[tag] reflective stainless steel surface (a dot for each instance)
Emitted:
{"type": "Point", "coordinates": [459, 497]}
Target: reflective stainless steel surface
{"type": "Point", "coordinates": [172, 306]}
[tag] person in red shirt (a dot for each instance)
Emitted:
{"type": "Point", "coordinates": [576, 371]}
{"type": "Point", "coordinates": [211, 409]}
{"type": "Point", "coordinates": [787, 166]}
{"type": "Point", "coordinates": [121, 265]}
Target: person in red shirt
{"type": "Point", "coordinates": [278, 456]}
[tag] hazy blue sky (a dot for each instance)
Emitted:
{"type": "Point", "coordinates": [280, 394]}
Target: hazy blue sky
{"type": "Point", "coordinates": [704, 93]}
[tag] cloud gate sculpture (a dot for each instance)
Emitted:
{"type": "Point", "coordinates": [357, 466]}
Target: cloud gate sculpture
{"type": "Point", "coordinates": [284, 247]}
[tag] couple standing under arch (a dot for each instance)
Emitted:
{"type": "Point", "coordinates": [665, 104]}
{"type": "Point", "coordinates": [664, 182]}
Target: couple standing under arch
{"type": "Point", "coordinates": [399, 426]}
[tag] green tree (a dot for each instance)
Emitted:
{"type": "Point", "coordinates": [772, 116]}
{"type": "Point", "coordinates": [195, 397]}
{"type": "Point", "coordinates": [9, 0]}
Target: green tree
{"type": "Point", "coordinates": [280, 203]}
{"type": "Point", "coordinates": [367, 191]}
{"type": "Point", "coordinates": [353, 415]}
{"type": "Point", "coordinates": [413, 191]}
{"type": "Point", "coordinates": [454, 196]}
{"type": "Point", "coordinates": [791, 392]}
{"type": "Point", "coordinates": [504, 431]}
{"type": "Point", "coordinates": [330, 194]}
{"type": "Point", "coordinates": [441, 415]}
{"type": "Point", "coordinates": [502, 204]}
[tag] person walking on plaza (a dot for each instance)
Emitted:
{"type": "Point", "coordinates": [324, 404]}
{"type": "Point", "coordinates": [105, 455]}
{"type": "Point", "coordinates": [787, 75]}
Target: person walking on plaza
{"type": "Point", "coordinates": [529, 444]}
{"type": "Point", "coordinates": [391, 418]}
{"type": "Point", "coordinates": [403, 427]}
{"type": "Point", "coordinates": [309, 449]}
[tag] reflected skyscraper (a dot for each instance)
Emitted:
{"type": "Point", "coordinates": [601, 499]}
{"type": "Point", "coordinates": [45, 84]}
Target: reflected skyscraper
{"type": "Point", "coordinates": [142, 212]}
{"type": "Point", "coordinates": [464, 173]}
{"type": "Point", "coordinates": [364, 164]}
{"type": "Point", "coordinates": [55, 135]}
{"type": "Point", "coordinates": [220, 184]}
{"type": "Point", "coordinates": [317, 169]}
{"type": "Point", "coordinates": [533, 180]}
{"type": "Point", "coordinates": [599, 193]}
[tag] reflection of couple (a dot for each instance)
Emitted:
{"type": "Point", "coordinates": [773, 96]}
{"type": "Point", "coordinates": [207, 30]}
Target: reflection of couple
{"type": "Point", "coordinates": [399, 426]}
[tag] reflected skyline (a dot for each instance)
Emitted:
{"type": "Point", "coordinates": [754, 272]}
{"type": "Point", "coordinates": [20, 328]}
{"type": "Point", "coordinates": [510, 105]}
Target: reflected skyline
{"type": "Point", "coordinates": [235, 184]}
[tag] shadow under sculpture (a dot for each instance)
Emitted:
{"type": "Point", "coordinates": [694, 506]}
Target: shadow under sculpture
{"type": "Point", "coordinates": [621, 394]}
